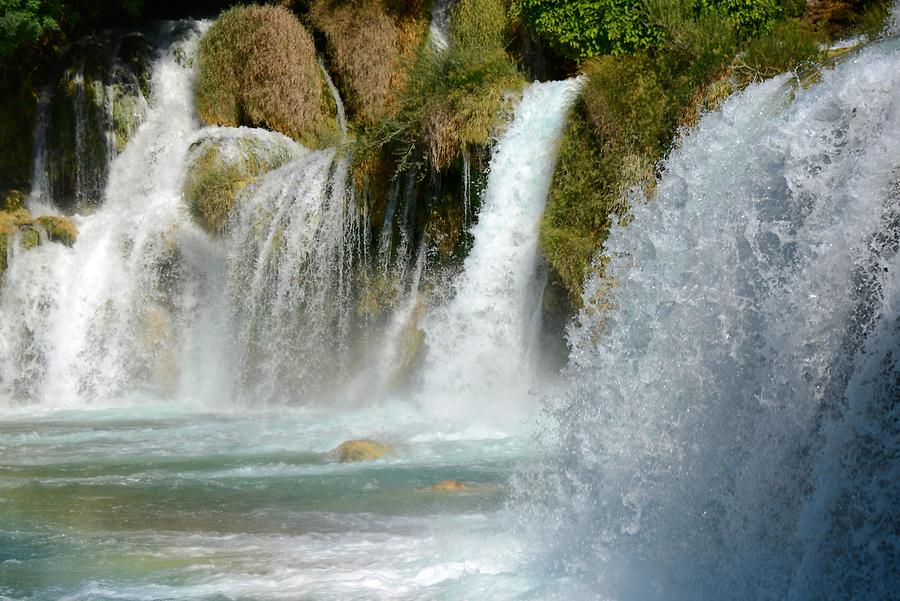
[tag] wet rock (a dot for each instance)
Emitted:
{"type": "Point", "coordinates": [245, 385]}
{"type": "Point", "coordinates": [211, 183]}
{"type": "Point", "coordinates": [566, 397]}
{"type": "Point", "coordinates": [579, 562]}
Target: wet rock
{"type": "Point", "coordinates": [360, 450]}
{"type": "Point", "coordinates": [449, 486]}
{"type": "Point", "coordinates": [226, 161]}
{"type": "Point", "coordinates": [19, 230]}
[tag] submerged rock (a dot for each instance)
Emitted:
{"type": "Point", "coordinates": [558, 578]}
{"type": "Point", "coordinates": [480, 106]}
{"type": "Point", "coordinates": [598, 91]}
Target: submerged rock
{"type": "Point", "coordinates": [453, 486]}
{"type": "Point", "coordinates": [224, 162]}
{"type": "Point", "coordinates": [360, 450]}
{"type": "Point", "coordinates": [449, 486]}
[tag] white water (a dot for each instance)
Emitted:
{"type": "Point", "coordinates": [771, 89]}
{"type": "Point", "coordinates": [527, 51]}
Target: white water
{"type": "Point", "coordinates": [439, 27]}
{"type": "Point", "coordinates": [480, 345]}
{"type": "Point", "coordinates": [99, 320]}
{"type": "Point", "coordinates": [730, 431]}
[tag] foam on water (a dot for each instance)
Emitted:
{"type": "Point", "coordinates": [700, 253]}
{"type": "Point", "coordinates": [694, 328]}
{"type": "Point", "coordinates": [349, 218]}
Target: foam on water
{"type": "Point", "coordinates": [730, 429]}
{"type": "Point", "coordinates": [481, 344]}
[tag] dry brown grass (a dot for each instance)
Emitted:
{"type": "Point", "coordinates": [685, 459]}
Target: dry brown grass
{"type": "Point", "coordinates": [369, 42]}
{"type": "Point", "coordinates": [257, 67]}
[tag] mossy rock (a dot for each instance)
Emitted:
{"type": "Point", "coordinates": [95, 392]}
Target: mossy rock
{"type": "Point", "coordinates": [225, 162]}
{"type": "Point", "coordinates": [360, 450]}
{"type": "Point", "coordinates": [19, 226]}
{"type": "Point", "coordinates": [59, 229]}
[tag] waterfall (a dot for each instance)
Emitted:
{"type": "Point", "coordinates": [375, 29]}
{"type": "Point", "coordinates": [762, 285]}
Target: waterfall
{"type": "Point", "coordinates": [102, 319]}
{"type": "Point", "coordinates": [87, 115]}
{"type": "Point", "coordinates": [730, 427]}
{"type": "Point", "coordinates": [480, 343]}
{"type": "Point", "coordinates": [291, 279]}
{"type": "Point", "coordinates": [439, 28]}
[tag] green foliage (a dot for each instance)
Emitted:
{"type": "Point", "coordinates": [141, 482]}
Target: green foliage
{"type": "Point", "coordinates": [632, 105]}
{"type": "Point", "coordinates": [453, 98]}
{"type": "Point", "coordinates": [26, 21]}
{"type": "Point", "coordinates": [584, 28]}
{"type": "Point", "coordinates": [257, 67]}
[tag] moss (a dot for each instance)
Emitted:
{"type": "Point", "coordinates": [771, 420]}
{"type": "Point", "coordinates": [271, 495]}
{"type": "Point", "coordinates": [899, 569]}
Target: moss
{"type": "Point", "coordinates": [59, 229]}
{"type": "Point", "coordinates": [444, 225]}
{"type": "Point", "coordinates": [12, 200]}
{"type": "Point", "coordinates": [360, 450]}
{"type": "Point", "coordinates": [257, 67]}
{"type": "Point", "coordinates": [29, 237]}
{"type": "Point", "coordinates": [221, 167]}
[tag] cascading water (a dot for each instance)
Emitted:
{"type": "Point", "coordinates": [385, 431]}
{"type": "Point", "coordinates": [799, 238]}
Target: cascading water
{"type": "Point", "coordinates": [290, 279]}
{"type": "Point", "coordinates": [87, 116]}
{"type": "Point", "coordinates": [439, 27]}
{"type": "Point", "coordinates": [102, 320]}
{"type": "Point", "coordinates": [480, 344]}
{"type": "Point", "coordinates": [730, 430]}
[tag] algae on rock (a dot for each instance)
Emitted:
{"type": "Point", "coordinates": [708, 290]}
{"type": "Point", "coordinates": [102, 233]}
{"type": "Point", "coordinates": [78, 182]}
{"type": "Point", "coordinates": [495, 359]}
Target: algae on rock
{"type": "Point", "coordinates": [225, 161]}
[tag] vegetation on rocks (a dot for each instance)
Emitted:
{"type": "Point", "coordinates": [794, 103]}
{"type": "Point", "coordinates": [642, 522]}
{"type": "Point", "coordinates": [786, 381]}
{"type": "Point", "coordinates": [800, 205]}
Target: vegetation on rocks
{"type": "Point", "coordinates": [223, 165]}
{"type": "Point", "coordinates": [369, 45]}
{"type": "Point", "coordinates": [18, 228]}
{"type": "Point", "coordinates": [633, 103]}
{"type": "Point", "coordinates": [257, 67]}
{"type": "Point", "coordinates": [454, 98]}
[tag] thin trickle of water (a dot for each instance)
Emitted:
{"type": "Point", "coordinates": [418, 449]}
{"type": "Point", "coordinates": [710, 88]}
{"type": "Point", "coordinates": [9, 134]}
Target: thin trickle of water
{"type": "Point", "coordinates": [338, 103]}
{"type": "Point", "coordinates": [477, 343]}
{"type": "Point", "coordinates": [730, 428]}
{"type": "Point", "coordinates": [439, 28]}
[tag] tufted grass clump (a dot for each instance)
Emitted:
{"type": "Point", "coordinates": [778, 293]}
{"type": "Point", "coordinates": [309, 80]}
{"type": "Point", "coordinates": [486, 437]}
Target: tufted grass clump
{"type": "Point", "coordinates": [454, 98]}
{"type": "Point", "coordinates": [369, 43]}
{"type": "Point", "coordinates": [257, 67]}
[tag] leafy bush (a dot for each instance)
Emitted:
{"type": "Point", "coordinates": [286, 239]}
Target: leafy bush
{"type": "Point", "coordinates": [584, 28]}
{"type": "Point", "coordinates": [257, 67]}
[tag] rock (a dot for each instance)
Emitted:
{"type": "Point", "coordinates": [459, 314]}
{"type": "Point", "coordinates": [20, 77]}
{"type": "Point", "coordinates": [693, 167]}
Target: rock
{"type": "Point", "coordinates": [360, 450]}
{"type": "Point", "coordinates": [226, 161]}
{"type": "Point", "coordinates": [59, 229]}
{"type": "Point", "coordinates": [454, 486]}
{"type": "Point", "coordinates": [449, 486]}
{"type": "Point", "coordinates": [19, 225]}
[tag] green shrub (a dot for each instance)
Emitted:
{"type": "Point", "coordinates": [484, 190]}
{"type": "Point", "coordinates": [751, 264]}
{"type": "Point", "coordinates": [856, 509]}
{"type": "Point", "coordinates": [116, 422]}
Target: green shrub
{"type": "Point", "coordinates": [584, 28]}
{"type": "Point", "coordinates": [257, 67]}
